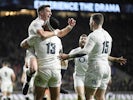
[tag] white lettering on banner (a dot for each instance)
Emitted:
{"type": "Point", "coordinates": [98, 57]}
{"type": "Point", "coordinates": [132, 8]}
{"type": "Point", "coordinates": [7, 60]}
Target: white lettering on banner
{"type": "Point", "coordinates": [79, 6]}
{"type": "Point", "coordinates": [64, 6]}
{"type": "Point", "coordinates": [56, 5]}
{"type": "Point", "coordinates": [100, 7]}
{"type": "Point", "coordinates": [119, 96]}
{"type": "Point", "coordinates": [86, 6]}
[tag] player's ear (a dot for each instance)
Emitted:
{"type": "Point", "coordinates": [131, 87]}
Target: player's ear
{"type": "Point", "coordinates": [93, 23]}
{"type": "Point", "coordinates": [41, 13]}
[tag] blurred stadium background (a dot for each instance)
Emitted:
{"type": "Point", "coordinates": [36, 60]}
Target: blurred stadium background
{"type": "Point", "coordinates": [16, 15]}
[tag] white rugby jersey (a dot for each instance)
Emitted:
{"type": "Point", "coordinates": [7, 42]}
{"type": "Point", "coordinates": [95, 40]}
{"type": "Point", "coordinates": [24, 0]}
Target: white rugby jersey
{"type": "Point", "coordinates": [98, 46]}
{"type": "Point", "coordinates": [5, 74]}
{"type": "Point", "coordinates": [47, 51]}
{"type": "Point", "coordinates": [99, 43]}
{"type": "Point", "coordinates": [35, 25]}
{"type": "Point", "coordinates": [81, 63]}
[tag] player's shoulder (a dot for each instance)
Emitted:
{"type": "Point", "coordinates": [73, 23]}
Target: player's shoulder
{"type": "Point", "coordinates": [10, 69]}
{"type": "Point", "coordinates": [36, 22]}
{"type": "Point", "coordinates": [107, 35]}
{"type": "Point", "coordinates": [56, 38]}
{"type": "Point", "coordinates": [93, 35]}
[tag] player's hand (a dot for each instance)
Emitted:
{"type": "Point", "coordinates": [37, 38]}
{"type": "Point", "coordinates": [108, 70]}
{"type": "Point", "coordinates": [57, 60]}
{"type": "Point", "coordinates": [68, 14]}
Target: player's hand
{"type": "Point", "coordinates": [71, 22]}
{"type": "Point", "coordinates": [121, 60]}
{"type": "Point", "coordinates": [56, 32]}
{"type": "Point", "coordinates": [63, 56]}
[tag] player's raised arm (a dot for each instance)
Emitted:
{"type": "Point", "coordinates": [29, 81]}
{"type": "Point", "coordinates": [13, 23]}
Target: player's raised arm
{"type": "Point", "coordinates": [57, 32]}
{"type": "Point", "coordinates": [47, 34]}
{"type": "Point", "coordinates": [63, 32]}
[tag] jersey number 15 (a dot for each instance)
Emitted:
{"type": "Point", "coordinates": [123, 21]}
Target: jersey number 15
{"type": "Point", "coordinates": [105, 47]}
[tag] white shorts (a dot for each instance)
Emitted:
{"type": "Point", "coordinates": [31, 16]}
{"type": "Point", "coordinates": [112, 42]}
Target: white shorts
{"type": "Point", "coordinates": [8, 87]}
{"type": "Point", "coordinates": [48, 78]}
{"type": "Point", "coordinates": [78, 80]}
{"type": "Point", "coordinates": [98, 75]}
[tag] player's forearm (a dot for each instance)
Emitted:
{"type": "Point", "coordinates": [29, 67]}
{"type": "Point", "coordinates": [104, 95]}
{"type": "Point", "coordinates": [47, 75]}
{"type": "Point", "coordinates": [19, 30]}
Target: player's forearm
{"type": "Point", "coordinates": [45, 34]}
{"type": "Point", "coordinates": [24, 44]}
{"type": "Point", "coordinates": [63, 32]}
{"type": "Point", "coordinates": [78, 54]}
{"type": "Point", "coordinates": [112, 59]}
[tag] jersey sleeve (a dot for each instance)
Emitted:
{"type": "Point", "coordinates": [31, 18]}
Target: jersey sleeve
{"type": "Point", "coordinates": [11, 71]}
{"type": "Point", "coordinates": [89, 44]}
{"type": "Point", "coordinates": [71, 52]}
{"type": "Point", "coordinates": [37, 26]}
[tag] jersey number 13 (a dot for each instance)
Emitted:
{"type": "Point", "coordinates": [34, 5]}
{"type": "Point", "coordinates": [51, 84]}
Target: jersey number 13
{"type": "Point", "coordinates": [51, 48]}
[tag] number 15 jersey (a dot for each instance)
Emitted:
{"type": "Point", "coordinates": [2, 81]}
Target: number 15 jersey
{"type": "Point", "coordinates": [98, 46]}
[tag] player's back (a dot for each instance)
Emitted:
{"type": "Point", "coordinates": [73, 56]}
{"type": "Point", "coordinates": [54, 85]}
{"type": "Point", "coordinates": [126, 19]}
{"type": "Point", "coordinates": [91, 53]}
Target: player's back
{"type": "Point", "coordinates": [102, 47]}
{"type": "Point", "coordinates": [5, 74]}
{"type": "Point", "coordinates": [47, 51]}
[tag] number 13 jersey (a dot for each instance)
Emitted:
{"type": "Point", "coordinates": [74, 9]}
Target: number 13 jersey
{"type": "Point", "coordinates": [47, 51]}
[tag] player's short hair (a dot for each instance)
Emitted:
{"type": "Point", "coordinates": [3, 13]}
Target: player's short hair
{"type": "Point", "coordinates": [98, 18]}
{"type": "Point", "coordinates": [42, 7]}
{"type": "Point", "coordinates": [5, 62]}
{"type": "Point", "coordinates": [83, 35]}
{"type": "Point", "coordinates": [52, 24]}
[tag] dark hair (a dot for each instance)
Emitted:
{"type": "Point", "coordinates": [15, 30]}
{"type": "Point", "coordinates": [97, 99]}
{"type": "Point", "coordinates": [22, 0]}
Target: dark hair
{"type": "Point", "coordinates": [54, 23]}
{"type": "Point", "coordinates": [5, 62]}
{"type": "Point", "coordinates": [83, 35]}
{"type": "Point", "coordinates": [42, 7]}
{"type": "Point", "coordinates": [98, 18]}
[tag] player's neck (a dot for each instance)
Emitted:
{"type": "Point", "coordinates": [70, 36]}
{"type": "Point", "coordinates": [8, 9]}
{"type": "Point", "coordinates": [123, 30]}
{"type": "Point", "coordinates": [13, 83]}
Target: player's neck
{"type": "Point", "coordinates": [97, 27]}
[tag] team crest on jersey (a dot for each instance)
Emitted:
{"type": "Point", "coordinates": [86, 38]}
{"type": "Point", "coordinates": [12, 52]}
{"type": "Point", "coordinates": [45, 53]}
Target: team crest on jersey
{"type": "Point", "coordinates": [94, 82]}
{"type": "Point", "coordinates": [82, 59]}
